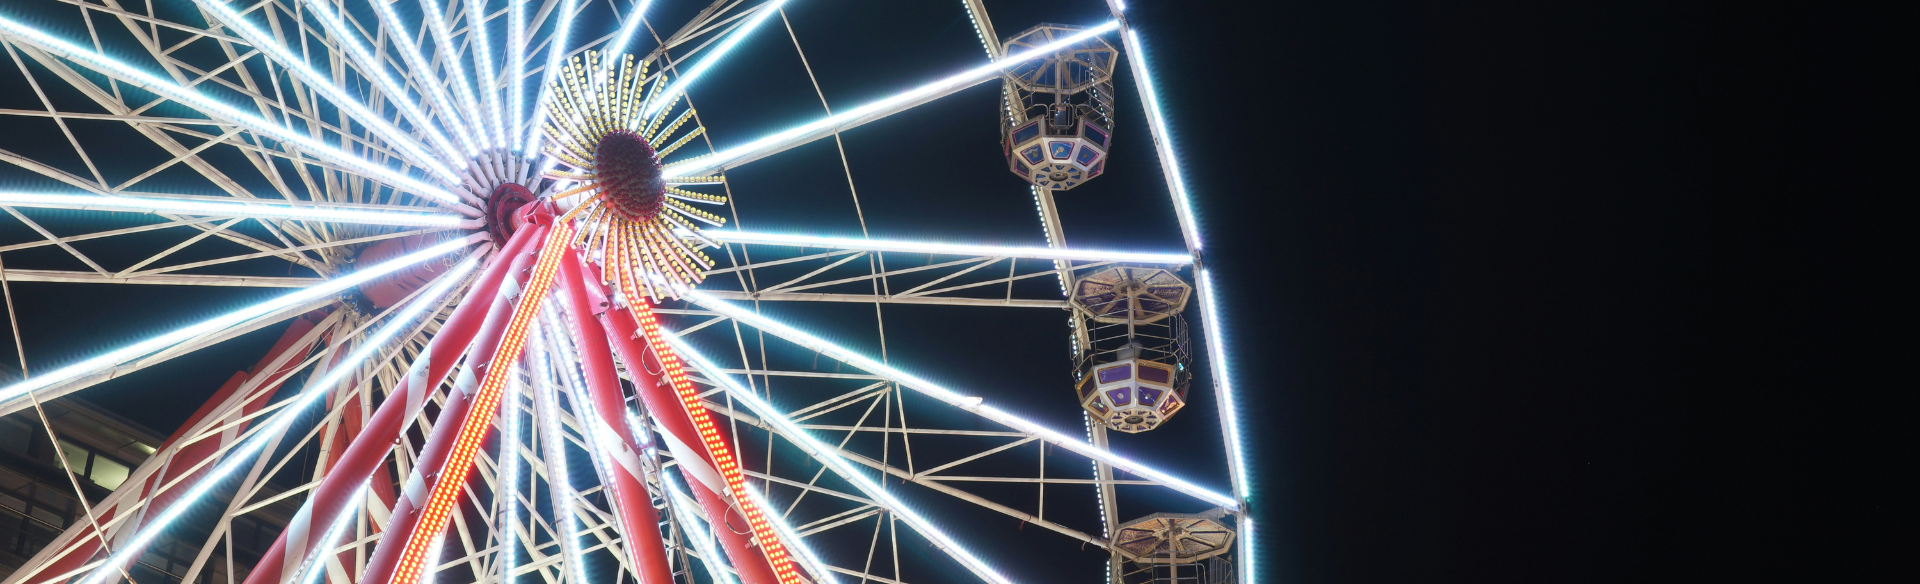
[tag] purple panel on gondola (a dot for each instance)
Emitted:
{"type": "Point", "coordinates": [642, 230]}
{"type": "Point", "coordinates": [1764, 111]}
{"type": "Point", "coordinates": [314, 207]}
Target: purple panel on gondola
{"type": "Point", "coordinates": [1097, 136]}
{"type": "Point", "coordinates": [1060, 150]}
{"type": "Point", "coordinates": [1116, 373]}
{"type": "Point", "coordinates": [1086, 387]}
{"type": "Point", "coordinates": [1031, 154]}
{"type": "Point", "coordinates": [1172, 403]}
{"type": "Point", "coordinates": [1099, 406]}
{"type": "Point", "coordinates": [1087, 155]}
{"type": "Point", "coordinates": [1121, 396]}
{"type": "Point", "coordinates": [1027, 132]}
{"type": "Point", "coordinates": [1150, 396]}
{"type": "Point", "coordinates": [1155, 374]}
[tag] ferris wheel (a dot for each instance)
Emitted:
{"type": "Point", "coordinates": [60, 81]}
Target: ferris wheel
{"type": "Point", "coordinates": [530, 339]}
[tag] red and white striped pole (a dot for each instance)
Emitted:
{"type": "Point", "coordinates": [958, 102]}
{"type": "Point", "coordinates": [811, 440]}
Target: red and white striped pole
{"type": "Point", "coordinates": [701, 452]}
{"type": "Point", "coordinates": [433, 488]}
{"type": "Point", "coordinates": [481, 313]}
{"type": "Point", "coordinates": [623, 472]}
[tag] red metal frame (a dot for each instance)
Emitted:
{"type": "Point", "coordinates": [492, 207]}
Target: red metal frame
{"type": "Point", "coordinates": [481, 313]}
{"type": "Point", "coordinates": [624, 475]}
{"type": "Point", "coordinates": [447, 457]}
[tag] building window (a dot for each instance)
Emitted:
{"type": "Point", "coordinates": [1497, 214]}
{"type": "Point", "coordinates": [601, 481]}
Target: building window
{"type": "Point", "coordinates": [103, 471]}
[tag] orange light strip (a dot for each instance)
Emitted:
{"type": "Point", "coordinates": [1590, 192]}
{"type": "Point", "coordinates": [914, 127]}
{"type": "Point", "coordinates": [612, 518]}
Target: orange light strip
{"type": "Point", "coordinates": [722, 456]}
{"type": "Point", "coordinates": [446, 489]}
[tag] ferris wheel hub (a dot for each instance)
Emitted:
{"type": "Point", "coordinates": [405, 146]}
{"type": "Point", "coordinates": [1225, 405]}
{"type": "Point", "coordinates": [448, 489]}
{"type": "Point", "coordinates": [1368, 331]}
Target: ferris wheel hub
{"type": "Point", "coordinates": [629, 174]}
{"type": "Point", "coordinates": [505, 202]}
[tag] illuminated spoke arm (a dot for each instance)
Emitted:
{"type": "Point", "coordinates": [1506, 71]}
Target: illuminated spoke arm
{"type": "Point", "coordinates": [455, 71]}
{"type": "Point", "coordinates": [371, 67]}
{"type": "Point", "coordinates": [242, 208]}
{"type": "Point", "coordinates": [223, 112]}
{"type": "Point", "coordinates": [858, 116]}
{"type": "Point", "coordinates": [324, 86]}
{"type": "Point", "coordinates": [1042, 253]}
{"type": "Point", "coordinates": [410, 55]}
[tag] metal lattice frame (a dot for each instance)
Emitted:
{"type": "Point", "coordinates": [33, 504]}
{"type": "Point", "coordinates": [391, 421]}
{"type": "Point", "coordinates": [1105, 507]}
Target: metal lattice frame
{"type": "Point", "coordinates": [339, 106]}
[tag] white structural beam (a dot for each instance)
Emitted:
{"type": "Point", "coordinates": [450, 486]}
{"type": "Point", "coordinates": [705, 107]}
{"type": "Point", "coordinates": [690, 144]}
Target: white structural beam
{"type": "Point", "coordinates": [236, 208]}
{"type": "Point", "coordinates": [1006, 251]}
{"type": "Point", "coordinates": [856, 117]}
{"type": "Point", "coordinates": [972, 404]}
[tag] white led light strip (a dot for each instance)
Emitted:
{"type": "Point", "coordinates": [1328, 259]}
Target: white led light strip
{"type": "Point", "coordinates": [560, 488]}
{"type": "Point", "coordinates": [324, 85]}
{"type": "Point", "coordinates": [556, 54]}
{"type": "Point", "coordinates": [135, 350]}
{"type": "Point", "coordinates": [682, 507]}
{"type": "Point", "coordinates": [330, 20]}
{"type": "Point", "coordinates": [947, 248]}
{"type": "Point", "coordinates": [1164, 143]}
{"type": "Point", "coordinates": [968, 403]}
{"type": "Point", "coordinates": [712, 57]}
{"type": "Point", "coordinates": [831, 457]}
{"type": "Point", "coordinates": [411, 55]}
{"type": "Point", "coordinates": [632, 25]}
{"type": "Point", "coordinates": [865, 113]}
{"type": "Point", "coordinates": [222, 111]}
{"type": "Point", "coordinates": [239, 208]}
{"type": "Point", "coordinates": [243, 454]}
{"type": "Point", "coordinates": [792, 540]}
{"type": "Point", "coordinates": [437, 21]}
{"type": "Point", "coordinates": [483, 60]}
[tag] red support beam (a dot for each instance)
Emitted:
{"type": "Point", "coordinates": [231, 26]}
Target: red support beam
{"type": "Point", "coordinates": [623, 472]}
{"type": "Point", "coordinates": [480, 314]}
{"type": "Point", "coordinates": [433, 488]}
{"type": "Point", "coordinates": [703, 455]}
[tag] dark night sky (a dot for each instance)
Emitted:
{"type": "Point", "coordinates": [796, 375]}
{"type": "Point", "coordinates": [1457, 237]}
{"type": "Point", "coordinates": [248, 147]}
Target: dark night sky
{"type": "Point", "coordinates": [1528, 292]}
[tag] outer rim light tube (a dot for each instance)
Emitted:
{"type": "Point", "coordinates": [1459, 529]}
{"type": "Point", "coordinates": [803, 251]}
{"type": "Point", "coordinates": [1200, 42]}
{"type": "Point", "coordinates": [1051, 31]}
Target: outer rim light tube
{"type": "Point", "coordinates": [330, 20]}
{"type": "Point", "coordinates": [135, 350]}
{"type": "Point", "coordinates": [326, 87]}
{"type": "Point", "coordinates": [1164, 144]}
{"type": "Point", "coordinates": [947, 248]}
{"type": "Point", "coordinates": [700, 166]}
{"type": "Point", "coordinates": [220, 110]}
{"type": "Point", "coordinates": [1223, 379]}
{"type": "Point", "coordinates": [243, 454]}
{"type": "Point", "coordinates": [713, 57]}
{"type": "Point", "coordinates": [969, 403]}
{"type": "Point", "coordinates": [233, 209]}
{"type": "Point", "coordinates": [831, 457]}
